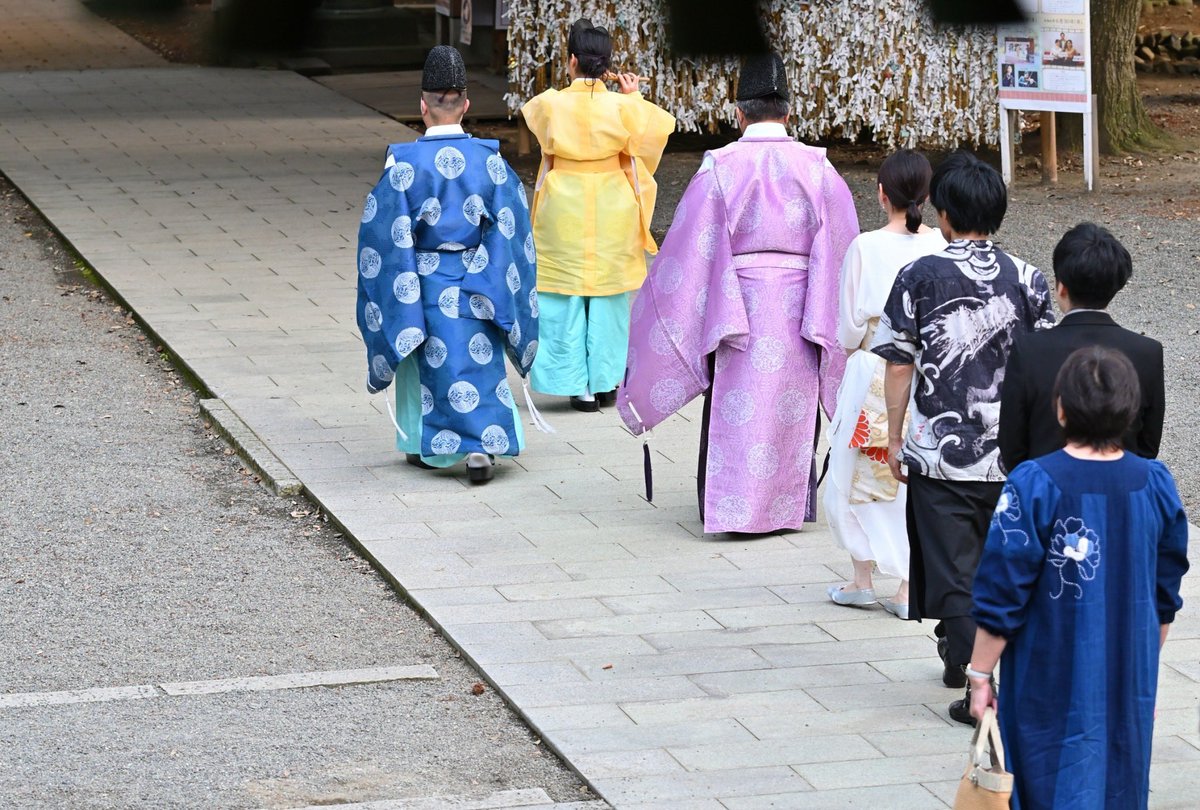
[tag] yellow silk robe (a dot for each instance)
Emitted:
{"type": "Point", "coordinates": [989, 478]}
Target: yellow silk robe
{"type": "Point", "coordinates": [595, 193]}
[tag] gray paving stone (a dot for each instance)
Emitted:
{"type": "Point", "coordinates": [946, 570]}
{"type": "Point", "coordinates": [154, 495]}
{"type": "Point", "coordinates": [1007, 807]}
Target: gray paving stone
{"type": "Point", "coordinates": [540, 611]}
{"type": "Point", "coordinates": [774, 679]}
{"type": "Point", "coordinates": [630, 625]}
{"type": "Point", "coordinates": [918, 648]}
{"type": "Point", "coordinates": [626, 763]}
{"type": "Point", "coordinates": [581, 718]}
{"type": "Point", "coordinates": [749, 637]}
{"type": "Point", "coordinates": [884, 771]}
{"type": "Point", "coordinates": [651, 790]}
{"type": "Point", "coordinates": [515, 651]}
{"type": "Point", "coordinates": [762, 753]}
{"type": "Point", "coordinates": [1174, 749]}
{"type": "Point", "coordinates": [577, 694]}
{"type": "Point", "coordinates": [586, 588]}
{"type": "Point", "coordinates": [852, 721]}
{"type": "Point", "coordinates": [686, 662]}
{"type": "Point", "coordinates": [893, 797]}
{"type": "Point", "coordinates": [545, 672]}
{"type": "Point", "coordinates": [624, 737]}
{"type": "Point", "coordinates": [710, 707]}
{"type": "Point", "coordinates": [698, 600]}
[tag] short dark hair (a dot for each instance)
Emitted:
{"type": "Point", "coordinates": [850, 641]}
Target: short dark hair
{"type": "Point", "coordinates": [445, 104]}
{"type": "Point", "coordinates": [768, 108]}
{"type": "Point", "coordinates": [1099, 394]}
{"type": "Point", "coordinates": [970, 193]}
{"type": "Point", "coordinates": [592, 46]}
{"type": "Point", "coordinates": [1092, 264]}
{"type": "Point", "coordinates": [905, 180]}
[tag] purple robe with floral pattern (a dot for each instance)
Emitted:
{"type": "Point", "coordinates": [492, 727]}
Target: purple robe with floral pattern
{"type": "Point", "coordinates": [742, 305]}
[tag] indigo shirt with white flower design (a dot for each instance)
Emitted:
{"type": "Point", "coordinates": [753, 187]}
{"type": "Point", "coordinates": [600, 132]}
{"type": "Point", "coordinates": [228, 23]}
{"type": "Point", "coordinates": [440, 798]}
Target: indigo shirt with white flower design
{"type": "Point", "coordinates": [954, 315]}
{"type": "Point", "coordinates": [1083, 563]}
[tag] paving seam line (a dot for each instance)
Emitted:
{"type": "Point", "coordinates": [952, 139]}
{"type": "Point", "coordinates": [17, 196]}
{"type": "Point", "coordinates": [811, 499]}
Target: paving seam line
{"type": "Point", "coordinates": [259, 683]}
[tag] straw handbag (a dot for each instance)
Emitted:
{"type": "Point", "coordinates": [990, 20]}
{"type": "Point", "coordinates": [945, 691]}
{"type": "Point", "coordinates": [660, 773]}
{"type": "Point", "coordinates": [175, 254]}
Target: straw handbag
{"type": "Point", "coordinates": [985, 785]}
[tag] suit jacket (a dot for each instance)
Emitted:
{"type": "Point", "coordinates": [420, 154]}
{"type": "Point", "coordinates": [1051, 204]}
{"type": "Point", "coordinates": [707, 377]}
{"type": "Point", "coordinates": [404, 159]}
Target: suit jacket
{"type": "Point", "coordinates": [1028, 420]}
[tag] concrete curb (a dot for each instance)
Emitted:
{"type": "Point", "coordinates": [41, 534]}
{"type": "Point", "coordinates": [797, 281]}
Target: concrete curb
{"type": "Point", "coordinates": [273, 472]}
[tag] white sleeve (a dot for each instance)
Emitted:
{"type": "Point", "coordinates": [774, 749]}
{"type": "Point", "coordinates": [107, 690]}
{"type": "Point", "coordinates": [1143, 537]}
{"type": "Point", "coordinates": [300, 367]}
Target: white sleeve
{"type": "Point", "coordinates": [852, 325]}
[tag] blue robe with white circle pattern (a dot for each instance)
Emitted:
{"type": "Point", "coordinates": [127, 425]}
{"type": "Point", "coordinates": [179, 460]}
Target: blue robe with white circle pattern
{"type": "Point", "coordinates": [447, 271]}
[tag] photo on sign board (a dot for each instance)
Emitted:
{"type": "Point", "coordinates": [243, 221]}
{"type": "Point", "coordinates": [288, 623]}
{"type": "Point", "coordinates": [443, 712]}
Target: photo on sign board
{"type": "Point", "coordinates": [1064, 48]}
{"type": "Point", "coordinates": [1020, 51]}
{"type": "Point", "coordinates": [1027, 79]}
{"type": "Point", "coordinates": [1008, 76]}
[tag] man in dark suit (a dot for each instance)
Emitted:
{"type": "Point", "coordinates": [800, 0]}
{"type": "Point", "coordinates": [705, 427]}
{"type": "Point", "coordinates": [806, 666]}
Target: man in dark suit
{"type": "Point", "coordinates": [1090, 267]}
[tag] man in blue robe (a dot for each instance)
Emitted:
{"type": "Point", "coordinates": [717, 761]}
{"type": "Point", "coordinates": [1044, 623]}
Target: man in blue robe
{"type": "Point", "coordinates": [447, 284]}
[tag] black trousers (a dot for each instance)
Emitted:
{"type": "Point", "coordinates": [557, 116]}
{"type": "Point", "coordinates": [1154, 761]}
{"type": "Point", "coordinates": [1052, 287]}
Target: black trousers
{"type": "Point", "coordinates": [947, 527]}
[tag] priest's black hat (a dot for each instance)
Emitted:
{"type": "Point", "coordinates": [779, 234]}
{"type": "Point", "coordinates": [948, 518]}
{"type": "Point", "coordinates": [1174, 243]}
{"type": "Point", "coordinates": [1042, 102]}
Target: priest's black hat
{"type": "Point", "coordinates": [762, 76]}
{"type": "Point", "coordinates": [444, 70]}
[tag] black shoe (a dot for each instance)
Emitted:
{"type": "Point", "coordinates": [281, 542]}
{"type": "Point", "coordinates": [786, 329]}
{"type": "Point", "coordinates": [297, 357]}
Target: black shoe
{"type": "Point", "coordinates": [607, 398]}
{"type": "Point", "coordinates": [953, 675]}
{"type": "Point", "coordinates": [960, 710]}
{"type": "Point", "coordinates": [585, 405]}
{"type": "Point", "coordinates": [415, 460]}
{"type": "Point", "coordinates": [480, 468]}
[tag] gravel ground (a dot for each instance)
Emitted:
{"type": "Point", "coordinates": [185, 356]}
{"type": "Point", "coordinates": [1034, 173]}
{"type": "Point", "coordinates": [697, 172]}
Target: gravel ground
{"type": "Point", "coordinates": [138, 550]}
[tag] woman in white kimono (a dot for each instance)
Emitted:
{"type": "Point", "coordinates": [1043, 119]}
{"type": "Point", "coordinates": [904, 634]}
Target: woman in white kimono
{"type": "Point", "coordinates": [864, 504]}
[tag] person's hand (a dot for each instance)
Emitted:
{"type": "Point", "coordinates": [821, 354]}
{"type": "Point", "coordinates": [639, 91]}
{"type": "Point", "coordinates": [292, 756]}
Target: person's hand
{"type": "Point", "coordinates": [982, 696]}
{"type": "Point", "coordinates": [629, 82]}
{"type": "Point", "coordinates": [895, 448]}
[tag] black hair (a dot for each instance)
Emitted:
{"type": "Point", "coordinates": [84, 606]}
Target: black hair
{"type": "Point", "coordinates": [905, 180]}
{"type": "Point", "coordinates": [768, 108]}
{"type": "Point", "coordinates": [445, 104]}
{"type": "Point", "coordinates": [1092, 265]}
{"type": "Point", "coordinates": [592, 46]}
{"type": "Point", "coordinates": [1099, 394]}
{"type": "Point", "coordinates": [970, 193]}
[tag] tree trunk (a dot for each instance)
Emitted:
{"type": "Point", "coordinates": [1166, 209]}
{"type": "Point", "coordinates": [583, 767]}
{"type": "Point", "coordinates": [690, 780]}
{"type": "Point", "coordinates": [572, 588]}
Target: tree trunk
{"type": "Point", "coordinates": [1123, 121]}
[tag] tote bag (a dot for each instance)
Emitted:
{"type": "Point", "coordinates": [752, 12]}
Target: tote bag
{"type": "Point", "coordinates": [985, 785]}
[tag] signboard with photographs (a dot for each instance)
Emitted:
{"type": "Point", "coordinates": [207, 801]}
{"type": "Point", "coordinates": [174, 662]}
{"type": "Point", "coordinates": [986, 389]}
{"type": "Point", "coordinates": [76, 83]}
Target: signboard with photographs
{"type": "Point", "coordinates": [1045, 62]}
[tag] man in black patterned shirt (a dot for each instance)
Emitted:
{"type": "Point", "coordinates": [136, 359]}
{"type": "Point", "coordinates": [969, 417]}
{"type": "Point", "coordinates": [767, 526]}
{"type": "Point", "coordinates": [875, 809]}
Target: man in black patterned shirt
{"type": "Point", "coordinates": [949, 322]}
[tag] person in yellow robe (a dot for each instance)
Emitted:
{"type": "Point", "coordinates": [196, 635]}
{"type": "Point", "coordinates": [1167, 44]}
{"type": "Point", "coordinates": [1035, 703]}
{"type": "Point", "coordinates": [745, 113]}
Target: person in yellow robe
{"type": "Point", "coordinates": [591, 213]}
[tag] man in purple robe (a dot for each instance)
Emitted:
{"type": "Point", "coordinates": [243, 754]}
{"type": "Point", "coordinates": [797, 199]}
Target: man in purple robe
{"type": "Point", "coordinates": [741, 305]}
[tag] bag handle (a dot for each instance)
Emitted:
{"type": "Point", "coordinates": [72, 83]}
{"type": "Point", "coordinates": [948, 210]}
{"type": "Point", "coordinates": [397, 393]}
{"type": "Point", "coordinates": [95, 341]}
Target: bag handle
{"type": "Point", "coordinates": [987, 735]}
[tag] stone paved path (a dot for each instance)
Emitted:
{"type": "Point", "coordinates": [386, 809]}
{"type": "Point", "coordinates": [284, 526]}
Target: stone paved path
{"type": "Point", "coordinates": [63, 35]}
{"type": "Point", "coordinates": [671, 669]}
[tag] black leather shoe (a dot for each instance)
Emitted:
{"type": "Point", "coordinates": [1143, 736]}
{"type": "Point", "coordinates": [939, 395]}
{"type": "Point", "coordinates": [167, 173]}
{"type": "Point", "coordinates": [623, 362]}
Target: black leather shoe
{"type": "Point", "coordinates": [585, 405]}
{"type": "Point", "coordinates": [960, 710]}
{"type": "Point", "coordinates": [607, 398]}
{"type": "Point", "coordinates": [953, 675]}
